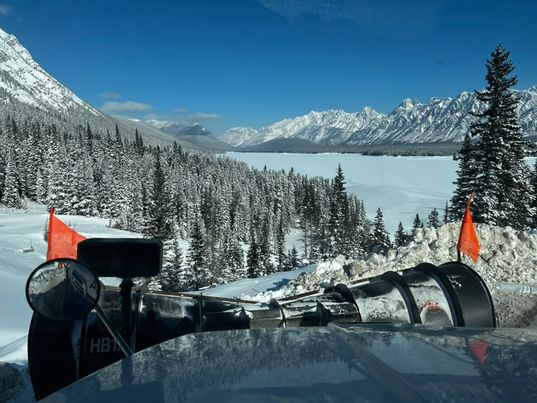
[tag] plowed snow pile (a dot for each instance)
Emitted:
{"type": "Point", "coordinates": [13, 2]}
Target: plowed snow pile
{"type": "Point", "coordinates": [507, 263]}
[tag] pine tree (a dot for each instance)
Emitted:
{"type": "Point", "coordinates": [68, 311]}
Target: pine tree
{"type": "Point", "coordinates": [502, 195]}
{"type": "Point", "coordinates": [197, 257]}
{"type": "Point", "coordinates": [252, 259]}
{"type": "Point", "coordinates": [434, 219]}
{"type": "Point", "coordinates": [232, 259]}
{"type": "Point", "coordinates": [280, 246]}
{"type": "Point", "coordinates": [265, 253]}
{"type": "Point", "coordinates": [293, 258]}
{"type": "Point", "coordinates": [10, 193]}
{"type": "Point", "coordinates": [533, 223]}
{"type": "Point", "coordinates": [169, 278]}
{"type": "Point", "coordinates": [446, 213]}
{"type": "Point", "coordinates": [160, 218]}
{"type": "Point", "coordinates": [416, 224]}
{"type": "Point", "coordinates": [401, 237]}
{"type": "Point", "coordinates": [380, 239]}
{"type": "Point", "coordinates": [466, 178]}
{"type": "Point", "coordinates": [339, 214]}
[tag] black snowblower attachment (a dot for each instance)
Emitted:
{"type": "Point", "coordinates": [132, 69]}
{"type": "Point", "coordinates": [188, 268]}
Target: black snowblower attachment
{"type": "Point", "coordinates": [80, 326]}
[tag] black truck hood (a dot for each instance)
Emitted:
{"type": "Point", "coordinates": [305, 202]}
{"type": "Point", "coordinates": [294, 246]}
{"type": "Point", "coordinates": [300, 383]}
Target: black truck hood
{"type": "Point", "coordinates": [376, 363]}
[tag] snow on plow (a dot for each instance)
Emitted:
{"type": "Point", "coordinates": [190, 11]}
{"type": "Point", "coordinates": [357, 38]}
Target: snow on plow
{"type": "Point", "coordinates": [109, 323]}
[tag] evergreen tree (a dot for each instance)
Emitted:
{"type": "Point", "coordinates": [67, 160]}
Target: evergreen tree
{"type": "Point", "coordinates": [265, 253]}
{"type": "Point", "coordinates": [197, 257]}
{"type": "Point", "coordinates": [401, 236]}
{"type": "Point", "coordinates": [10, 193]}
{"type": "Point", "coordinates": [434, 219]}
{"type": "Point", "coordinates": [169, 279]}
{"type": "Point", "coordinates": [416, 224]}
{"type": "Point", "coordinates": [232, 260]}
{"type": "Point", "coordinates": [502, 195]}
{"type": "Point", "coordinates": [446, 213]}
{"type": "Point", "coordinates": [159, 220]}
{"type": "Point", "coordinates": [380, 239]}
{"type": "Point", "coordinates": [339, 214]}
{"type": "Point", "coordinates": [252, 259]}
{"type": "Point", "coordinates": [533, 223]}
{"type": "Point", "coordinates": [280, 246]}
{"type": "Point", "coordinates": [293, 258]}
{"type": "Point", "coordinates": [466, 178]}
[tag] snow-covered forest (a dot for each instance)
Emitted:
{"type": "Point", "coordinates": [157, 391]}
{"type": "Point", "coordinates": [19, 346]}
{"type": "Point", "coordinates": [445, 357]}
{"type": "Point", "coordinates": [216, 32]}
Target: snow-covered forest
{"type": "Point", "coordinates": [217, 203]}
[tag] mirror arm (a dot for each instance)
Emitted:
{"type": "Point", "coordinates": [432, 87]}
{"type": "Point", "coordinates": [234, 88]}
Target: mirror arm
{"type": "Point", "coordinates": [125, 291]}
{"type": "Point", "coordinates": [117, 337]}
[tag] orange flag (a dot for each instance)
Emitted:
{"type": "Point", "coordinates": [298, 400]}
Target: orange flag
{"type": "Point", "coordinates": [62, 240]}
{"type": "Point", "coordinates": [478, 348]}
{"type": "Point", "coordinates": [468, 243]}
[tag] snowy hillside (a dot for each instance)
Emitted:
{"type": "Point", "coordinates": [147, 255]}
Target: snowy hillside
{"type": "Point", "coordinates": [23, 79]}
{"type": "Point", "coordinates": [439, 120]}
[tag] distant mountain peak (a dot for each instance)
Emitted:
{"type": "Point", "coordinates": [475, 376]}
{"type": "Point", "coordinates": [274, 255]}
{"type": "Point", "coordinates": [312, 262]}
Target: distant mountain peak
{"type": "Point", "coordinates": [180, 128]}
{"type": "Point", "coordinates": [408, 104]}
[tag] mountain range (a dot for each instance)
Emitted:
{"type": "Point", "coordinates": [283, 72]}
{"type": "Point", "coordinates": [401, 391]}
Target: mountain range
{"type": "Point", "coordinates": [440, 120]}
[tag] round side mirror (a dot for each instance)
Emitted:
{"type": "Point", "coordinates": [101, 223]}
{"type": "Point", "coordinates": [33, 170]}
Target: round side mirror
{"type": "Point", "coordinates": [63, 289]}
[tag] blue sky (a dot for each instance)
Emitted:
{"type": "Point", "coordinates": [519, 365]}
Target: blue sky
{"type": "Point", "coordinates": [252, 62]}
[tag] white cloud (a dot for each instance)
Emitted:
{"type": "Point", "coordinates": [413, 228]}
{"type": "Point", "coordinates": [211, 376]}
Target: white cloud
{"type": "Point", "coordinates": [203, 117]}
{"type": "Point", "coordinates": [126, 107]}
{"type": "Point", "coordinates": [5, 10]}
{"type": "Point", "coordinates": [180, 116]}
{"type": "Point", "coordinates": [110, 95]}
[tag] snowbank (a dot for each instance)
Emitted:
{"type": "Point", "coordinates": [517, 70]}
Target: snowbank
{"type": "Point", "coordinates": [507, 263]}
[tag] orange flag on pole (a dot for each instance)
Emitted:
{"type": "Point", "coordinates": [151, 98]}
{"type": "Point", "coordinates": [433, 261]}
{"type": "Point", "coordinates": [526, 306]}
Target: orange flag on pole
{"type": "Point", "coordinates": [62, 240]}
{"type": "Point", "coordinates": [478, 348]}
{"type": "Point", "coordinates": [468, 243]}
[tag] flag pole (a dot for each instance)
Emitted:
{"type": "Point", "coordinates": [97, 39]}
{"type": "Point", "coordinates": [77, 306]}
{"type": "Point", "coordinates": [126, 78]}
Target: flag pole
{"type": "Point", "coordinates": [49, 235]}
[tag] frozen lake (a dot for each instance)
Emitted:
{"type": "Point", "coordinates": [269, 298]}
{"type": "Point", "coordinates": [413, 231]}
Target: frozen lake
{"type": "Point", "coordinates": [400, 186]}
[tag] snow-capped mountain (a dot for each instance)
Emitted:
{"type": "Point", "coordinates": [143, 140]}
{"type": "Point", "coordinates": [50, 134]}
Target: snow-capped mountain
{"type": "Point", "coordinates": [22, 79]}
{"type": "Point", "coordinates": [194, 129]}
{"type": "Point", "coordinates": [194, 133]}
{"type": "Point", "coordinates": [439, 120]}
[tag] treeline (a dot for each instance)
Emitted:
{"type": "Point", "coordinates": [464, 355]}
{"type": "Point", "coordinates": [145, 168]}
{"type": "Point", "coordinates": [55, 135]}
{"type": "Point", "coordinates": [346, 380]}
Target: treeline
{"type": "Point", "coordinates": [224, 208]}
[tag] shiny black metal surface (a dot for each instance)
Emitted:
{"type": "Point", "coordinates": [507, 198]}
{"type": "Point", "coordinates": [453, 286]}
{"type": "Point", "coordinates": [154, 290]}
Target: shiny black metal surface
{"type": "Point", "coordinates": [357, 362]}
